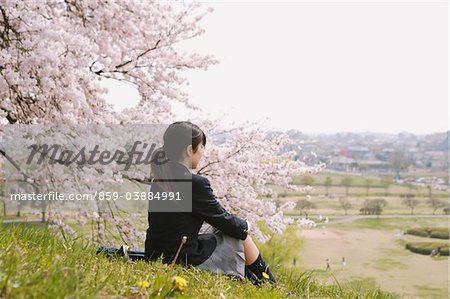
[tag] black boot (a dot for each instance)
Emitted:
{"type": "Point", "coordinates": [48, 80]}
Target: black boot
{"type": "Point", "coordinates": [259, 271]}
{"type": "Point", "coordinates": [252, 276]}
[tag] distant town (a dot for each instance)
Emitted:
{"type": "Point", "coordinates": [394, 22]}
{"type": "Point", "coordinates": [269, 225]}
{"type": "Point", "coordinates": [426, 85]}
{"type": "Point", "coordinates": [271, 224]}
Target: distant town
{"type": "Point", "coordinates": [417, 159]}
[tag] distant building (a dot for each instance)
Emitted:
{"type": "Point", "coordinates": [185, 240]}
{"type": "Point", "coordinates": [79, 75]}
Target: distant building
{"type": "Point", "coordinates": [342, 163]}
{"type": "Point", "coordinates": [374, 165]}
{"type": "Point", "coordinates": [358, 152]}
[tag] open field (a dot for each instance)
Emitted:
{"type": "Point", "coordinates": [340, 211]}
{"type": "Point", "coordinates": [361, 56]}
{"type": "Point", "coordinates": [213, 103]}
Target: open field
{"type": "Point", "coordinates": [319, 178]}
{"type": "Point", "coordinates": [416, 173]}
{"type": "Point", "coordinates": [376, 256]}
{"type": "Point", "coordinates": [377, 185]}
{"type": "Point", "coordinates": [332, 206]}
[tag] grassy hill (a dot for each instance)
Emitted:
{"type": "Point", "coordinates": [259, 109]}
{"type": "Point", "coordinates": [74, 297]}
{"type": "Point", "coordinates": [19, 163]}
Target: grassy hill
{"type": "Point", "coordinates": [35, 263]}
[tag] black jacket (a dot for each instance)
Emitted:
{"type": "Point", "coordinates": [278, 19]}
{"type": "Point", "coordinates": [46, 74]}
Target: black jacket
{"type": "Point", "coordinates": [166, 229]}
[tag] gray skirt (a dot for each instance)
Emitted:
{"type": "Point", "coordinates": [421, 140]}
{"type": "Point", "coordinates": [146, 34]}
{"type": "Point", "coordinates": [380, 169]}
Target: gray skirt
{"type": "Point", "coordinates": [228, 257]}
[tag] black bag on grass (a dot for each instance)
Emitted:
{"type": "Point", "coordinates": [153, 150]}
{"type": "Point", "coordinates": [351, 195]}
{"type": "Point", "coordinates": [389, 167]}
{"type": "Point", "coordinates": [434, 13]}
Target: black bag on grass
{"type": "Point", "coordinates": [121, 252]}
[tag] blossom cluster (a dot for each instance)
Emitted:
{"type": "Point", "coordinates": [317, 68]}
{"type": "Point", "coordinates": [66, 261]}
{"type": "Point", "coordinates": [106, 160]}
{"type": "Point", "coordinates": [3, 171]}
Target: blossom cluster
{"type": "Point", "coordinates": [53, 54]}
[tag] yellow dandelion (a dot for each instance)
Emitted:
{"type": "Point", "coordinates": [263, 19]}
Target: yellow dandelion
{"type": "Point", "coordinates": [179, 283]}
{"type": "Point", "coordinates": [43, 261]}
{"type": "Point", "coordinates": [264, 274]}
{"type": "Point", "coordinates": [143, 284]}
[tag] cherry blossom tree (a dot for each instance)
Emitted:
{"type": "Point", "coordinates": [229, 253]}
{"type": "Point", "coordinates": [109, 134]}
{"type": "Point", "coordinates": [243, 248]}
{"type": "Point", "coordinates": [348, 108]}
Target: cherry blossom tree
{"type": "Point", "coordinates": [241, 169]}
{"type": "Point", "coordinates": [53, 54]}
{"type": "Point", "coordinates": [53, 57]}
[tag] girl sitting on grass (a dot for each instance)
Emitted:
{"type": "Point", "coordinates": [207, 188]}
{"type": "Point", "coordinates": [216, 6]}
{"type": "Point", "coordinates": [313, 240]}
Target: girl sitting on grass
{"type": "Point", "coordinates": [217, 241]}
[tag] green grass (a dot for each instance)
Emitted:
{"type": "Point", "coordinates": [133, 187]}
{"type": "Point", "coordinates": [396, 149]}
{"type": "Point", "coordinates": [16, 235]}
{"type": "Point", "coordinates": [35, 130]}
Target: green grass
{"type": "Point", "coordinates": [429, 292]}
{"type": "Point", "coordinates": [359, 283]}
{"type": "Point", "coordinates": [386, 264]}
{"type": "Point", "coordinates": [357, 181]}
{"type": "Point", "coordinates": [35, 263]}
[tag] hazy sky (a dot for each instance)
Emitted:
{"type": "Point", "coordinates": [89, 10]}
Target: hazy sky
{"type": "Point", "coordinates": [324, 67]}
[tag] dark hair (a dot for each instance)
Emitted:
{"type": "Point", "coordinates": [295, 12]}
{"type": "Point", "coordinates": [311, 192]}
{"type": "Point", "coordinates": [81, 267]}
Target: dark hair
{"type": "Point", "coordinates": [177, 137]}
